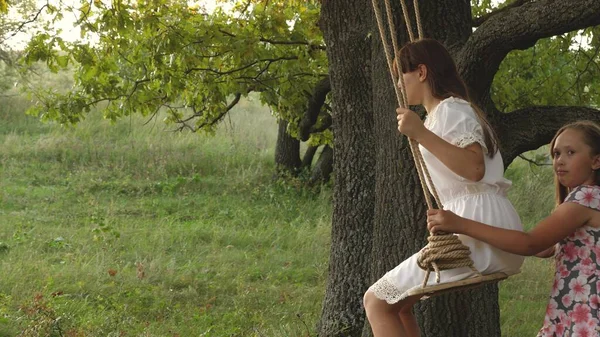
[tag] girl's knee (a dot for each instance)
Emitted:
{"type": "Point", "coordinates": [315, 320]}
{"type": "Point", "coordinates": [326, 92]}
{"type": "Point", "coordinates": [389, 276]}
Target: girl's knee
{"type": "Point", "coordinates": [368, 300]}
{"type": "Point", "coordinates": [371, 302]}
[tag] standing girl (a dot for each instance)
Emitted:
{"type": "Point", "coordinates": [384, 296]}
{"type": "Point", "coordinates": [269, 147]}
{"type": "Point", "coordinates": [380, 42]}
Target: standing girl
{"type": "Point", "coordinates": [461, 153]}
{"type": "Point", "coordinates": [574, 306]}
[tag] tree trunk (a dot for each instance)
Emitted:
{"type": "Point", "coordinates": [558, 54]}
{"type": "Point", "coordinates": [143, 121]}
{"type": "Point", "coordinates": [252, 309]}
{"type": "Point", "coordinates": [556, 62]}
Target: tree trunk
{"type": "Point", "coordinates": [346, 32]}
{"type": "Point", "coordinates": [307, 159]}
{"type": "Point", "coordinates": [323, 168]}
{"type": "Point", "coordinates": [287, 151]}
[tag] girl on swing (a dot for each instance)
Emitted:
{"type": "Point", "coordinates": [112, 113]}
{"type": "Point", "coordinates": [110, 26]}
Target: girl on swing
{"type": "Point", "coordinates": [460, 150]}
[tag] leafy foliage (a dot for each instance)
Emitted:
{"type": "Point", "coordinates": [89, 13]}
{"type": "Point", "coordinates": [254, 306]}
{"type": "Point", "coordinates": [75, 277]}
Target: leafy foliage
{"type": "Point", "coordinates": [480, 7]}
{"type": "Point", "coordinates": [21, 18]}
{"type": "Point", "coordinates": [151, 55]}
{"type": "Point", "coordinates": [562, 70]}
{"type": "Point", "coordinates": [144, 56]}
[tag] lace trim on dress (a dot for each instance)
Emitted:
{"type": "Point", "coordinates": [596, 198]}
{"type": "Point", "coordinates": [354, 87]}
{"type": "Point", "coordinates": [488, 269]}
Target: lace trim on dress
{"type": "Point", "coordinates": [469, 138]}
{"type": "Point", "coordinates": [385, 290]}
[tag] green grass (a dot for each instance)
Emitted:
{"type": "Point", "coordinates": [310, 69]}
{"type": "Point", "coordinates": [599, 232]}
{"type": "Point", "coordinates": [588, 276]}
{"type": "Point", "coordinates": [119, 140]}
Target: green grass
{"type": "Point", "coordinates": [124, 229]}
{"type": "Point", "coordinates": [523, 297]}
{"type": "Point", "coordinates": [132, 230]}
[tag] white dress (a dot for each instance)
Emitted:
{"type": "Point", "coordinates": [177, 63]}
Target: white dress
{"type": "Point", "coordinates": [485, 201]}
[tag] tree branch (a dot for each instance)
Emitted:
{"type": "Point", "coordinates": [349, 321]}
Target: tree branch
{"type": "Point", "coordinates": [326, 123]}
{"type": "Point", "coordinates": [480, 20]}
{"type": "Point", "coordinates": [519, 28]}
{"type": "Point", "coordinates": [529, 128]}
{"type": "Point", "coordinates": [24, 23]}
{"type": "Point", "coordinates": [312, 46]}
{"type": "Point", "coordinates": [531, 161]}
{"type": "Point", "coordinates": [271, 41]}
{"type": "Point", "coordinates": [270, 60]}
{"type": "Point", "coordinates": [184, 124]}
{"type": "Point", "coordinates": [315, 102]}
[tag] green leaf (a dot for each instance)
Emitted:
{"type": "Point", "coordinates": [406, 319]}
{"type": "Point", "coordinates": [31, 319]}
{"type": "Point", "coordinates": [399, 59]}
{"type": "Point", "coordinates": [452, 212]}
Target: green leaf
{"type": "Point", "coordinates": [62, 60]}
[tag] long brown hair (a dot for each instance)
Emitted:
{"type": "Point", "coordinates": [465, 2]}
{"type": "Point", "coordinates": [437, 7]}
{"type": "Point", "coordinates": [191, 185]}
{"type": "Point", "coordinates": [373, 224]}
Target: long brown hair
{"type": "Point", "coordinates": [590, 132]}
{"type": "Point", "coordinates": [443, 78]}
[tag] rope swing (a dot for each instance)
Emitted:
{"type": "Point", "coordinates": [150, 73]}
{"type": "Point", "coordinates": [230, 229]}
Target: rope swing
{"type": "Point", "coordinates": [444, 250]}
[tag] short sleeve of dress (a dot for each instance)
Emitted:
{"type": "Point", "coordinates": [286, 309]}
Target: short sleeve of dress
{"type": "Point", "coordinates": [585, 195]}
{"type": "Point", "coordinates": [458, 124]}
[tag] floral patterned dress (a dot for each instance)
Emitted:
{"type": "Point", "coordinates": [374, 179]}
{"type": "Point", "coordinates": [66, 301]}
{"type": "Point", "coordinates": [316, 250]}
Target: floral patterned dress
{"type": "Point", "coordinates": [574, 307]}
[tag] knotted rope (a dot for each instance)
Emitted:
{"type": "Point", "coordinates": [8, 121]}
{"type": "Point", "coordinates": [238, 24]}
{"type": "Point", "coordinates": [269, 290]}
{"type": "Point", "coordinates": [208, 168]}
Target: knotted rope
{"type": "Point", "coordinates": [444, 250]}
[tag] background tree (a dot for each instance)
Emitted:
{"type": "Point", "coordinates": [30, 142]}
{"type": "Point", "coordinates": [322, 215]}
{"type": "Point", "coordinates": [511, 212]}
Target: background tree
{"type": "Point", "coordinates": [22, 17]}
{"type": "Point", "coordinates": [195, 65]}
{"type": "Point", "coordinates": [378, 220]}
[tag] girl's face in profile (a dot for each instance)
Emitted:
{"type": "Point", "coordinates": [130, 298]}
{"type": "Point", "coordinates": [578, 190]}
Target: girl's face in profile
{"type": "Point", "coordinates": [414, 82]}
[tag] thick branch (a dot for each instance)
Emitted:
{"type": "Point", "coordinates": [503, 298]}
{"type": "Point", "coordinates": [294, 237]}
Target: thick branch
{"type": "Point", "coordinates": [326, 123]}
{"type": "Point", "coordinates": [529, 128]}
{"type": "Point", "coordinates": [519, 28]}
{"type": "Point", "coordinates": [315, 102]}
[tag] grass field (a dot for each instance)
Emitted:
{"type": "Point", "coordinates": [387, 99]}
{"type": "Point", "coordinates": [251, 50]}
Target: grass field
{"type": "Point", "coordinates": [133, 230]}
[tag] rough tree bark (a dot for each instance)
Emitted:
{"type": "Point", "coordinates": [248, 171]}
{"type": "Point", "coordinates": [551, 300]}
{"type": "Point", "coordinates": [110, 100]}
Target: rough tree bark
{"type": "Point", "coordinates": [287, 151]}
{"type": "Point", "coordinates": [323, 167]}
{"type": "Point", "coordinates": [309, 155]}
{"type": "Point", "coordinates": [313, 110]}
{"type": "Point", "coordinates": [345, 27]}
{"type": "Point", "coordinates": [366, 143]}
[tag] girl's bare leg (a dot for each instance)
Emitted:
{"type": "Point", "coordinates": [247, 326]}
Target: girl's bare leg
{"type": "Point", "coordinates": [391, 320]}
{"type": "Point", "coordinates": [409, 322]}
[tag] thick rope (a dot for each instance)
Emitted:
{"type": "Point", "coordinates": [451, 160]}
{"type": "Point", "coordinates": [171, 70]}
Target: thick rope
{"type": "Point", "coordinates": [406, 20]}
{"type": "Point", "coordinates": [418, 18]}
{"type": "Point", "coordinates": [388, 9]}
{"type": "Point", "coordinates": [419, 164]}
{"type": "Point", "coordinates": [404, 103]}
{"type": "Point", "coordinates": [444, 250]}
{"type": "Point", "coordinates": [399, 95]}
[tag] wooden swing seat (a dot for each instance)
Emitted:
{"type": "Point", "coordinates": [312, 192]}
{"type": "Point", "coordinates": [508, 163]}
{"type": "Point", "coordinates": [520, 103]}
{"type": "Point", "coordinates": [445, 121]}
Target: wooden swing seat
{"type": "Point", "coordinates": [472, 282]}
